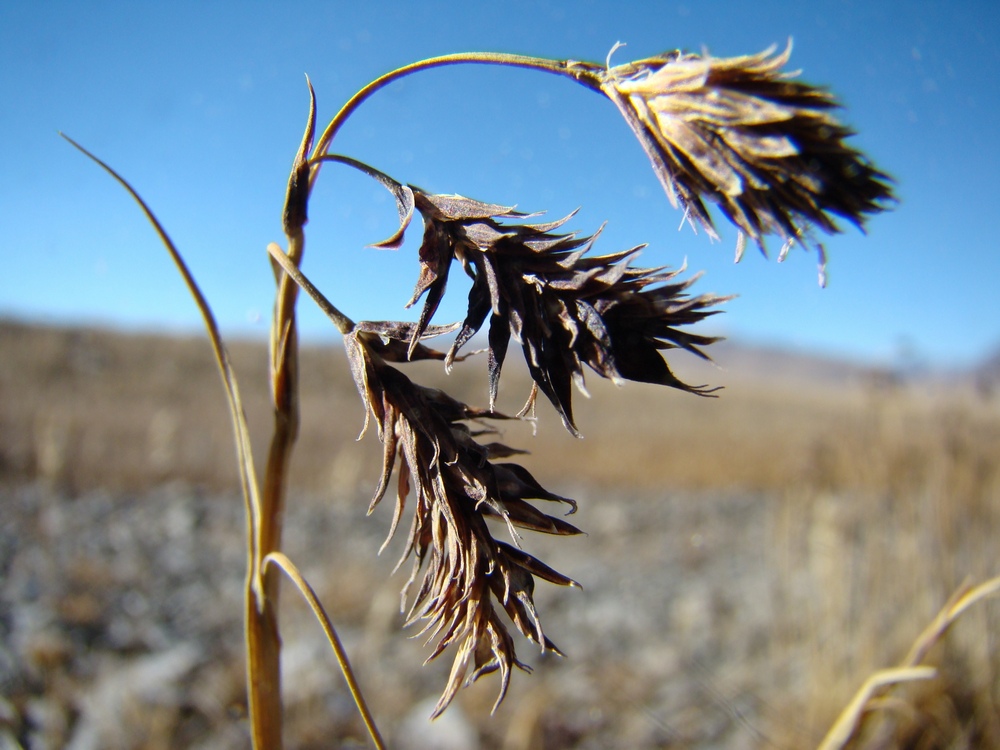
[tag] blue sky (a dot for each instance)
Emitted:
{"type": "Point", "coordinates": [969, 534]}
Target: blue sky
{"type": "Point", "coordinates": [201, 106]}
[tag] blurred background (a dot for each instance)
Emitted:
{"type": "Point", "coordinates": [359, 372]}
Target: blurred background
{"type": "Point", "coordinates": [201, 107]}
{"type": "Point", "coordinates": [750, 560]}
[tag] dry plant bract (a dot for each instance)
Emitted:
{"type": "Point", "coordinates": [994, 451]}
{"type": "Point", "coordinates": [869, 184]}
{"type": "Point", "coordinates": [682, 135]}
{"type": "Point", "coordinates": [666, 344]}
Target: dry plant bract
{"type": "Point", "coordinates": [742, 133]}
{"type": "Point", "coordinates": [739, 132]}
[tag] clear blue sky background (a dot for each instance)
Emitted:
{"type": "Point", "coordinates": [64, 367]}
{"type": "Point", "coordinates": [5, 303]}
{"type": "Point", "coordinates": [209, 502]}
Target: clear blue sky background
{"type": "Point", "coordinates": [201, 105]}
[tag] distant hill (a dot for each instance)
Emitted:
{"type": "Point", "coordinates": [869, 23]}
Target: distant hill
{"type": "Point", "coordinates": [86, 408]}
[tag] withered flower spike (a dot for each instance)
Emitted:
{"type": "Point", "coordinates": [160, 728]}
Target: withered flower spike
{"type": "Point", "coordinates": [460, 572]}
{"type": "Point", "coordinates": [743, 133]}
{"type": "Point", "coordinates": [567, 309]}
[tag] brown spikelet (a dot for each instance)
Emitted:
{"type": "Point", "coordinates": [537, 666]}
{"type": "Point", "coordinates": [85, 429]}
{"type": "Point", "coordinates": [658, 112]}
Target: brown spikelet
{"type": "Point", "coordinates": [566, 308]}
{"type": "Point", "coordinates": [454, 485]}
{"type": "Point", "coordinates": [741, 132]}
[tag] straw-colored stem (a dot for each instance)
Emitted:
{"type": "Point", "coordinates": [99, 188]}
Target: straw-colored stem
{"type": "Point", "coordinates": [344, 324]}
{"type": "Point", "coordinates": [263, 663]}
{"type": "Point", "coordinates": [559, 67]}
{"type": "Point", "coordinates": [263, 638]}
{"type": "Point", "coordinates": [291, 570]}
{"type": "Point", "coordinates": [264, 690]}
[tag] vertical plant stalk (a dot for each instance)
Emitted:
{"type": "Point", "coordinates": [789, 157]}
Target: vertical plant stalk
{"type": "Point", "coordinates": [263, 637]}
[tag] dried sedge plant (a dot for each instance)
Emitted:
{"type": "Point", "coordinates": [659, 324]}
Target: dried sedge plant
{"type": "Point", "coordinates": [865, 706]}
{"type": "Point", "coordinates": [739, 132]}
{"type": "Point", "coordinates": [459, 569]}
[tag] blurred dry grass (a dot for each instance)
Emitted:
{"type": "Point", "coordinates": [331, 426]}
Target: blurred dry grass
{"type": "Point", "coordinates": [88, 408]}
{"type": "Point", "coordinates": [772, 547]}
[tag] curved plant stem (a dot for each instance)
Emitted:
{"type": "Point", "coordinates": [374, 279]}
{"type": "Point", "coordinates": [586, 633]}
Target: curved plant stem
{"type": "Point", "coordinates": [262, 643]}
{"type": "Point", "coordinates": [309, 594]}
{"type": "Point", "coordinates": [248, 480]}
{"type": "Point", "coordinates": [847, 723]}
{"type": "Point", "coordinates": [559, 67]}
{"type": "Point", "coordinates": [849, 720]}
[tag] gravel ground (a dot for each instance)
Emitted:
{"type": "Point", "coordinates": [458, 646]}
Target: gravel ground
{"type": "Point", "coordinates": [120, 627]}
{"type": "Point", "coordinates": [708, 617]}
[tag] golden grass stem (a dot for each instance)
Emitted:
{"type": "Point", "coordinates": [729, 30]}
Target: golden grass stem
{"type": "Point", "coordinates": [262, 640]}
{"type": "Point", "coordinates": [959, 602]}
{"type": "Point", "coordinates": [248, 476]}
{"type": "Point", "coordinates": [309, 594]}
{"type": "Point", "coordinates": [344, 324]}
{"type": "Point", "coordinates": [849, 720]}
{"type": "Point", "coordinates": [263, 646]}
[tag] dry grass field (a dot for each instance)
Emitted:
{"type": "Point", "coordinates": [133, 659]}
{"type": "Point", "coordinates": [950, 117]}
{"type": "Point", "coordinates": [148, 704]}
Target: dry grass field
{"type": "Point", "coordinates": [749, 560]}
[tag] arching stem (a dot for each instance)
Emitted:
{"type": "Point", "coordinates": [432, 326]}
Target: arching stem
{"type": "Point", "coordinates": [559, 67]}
